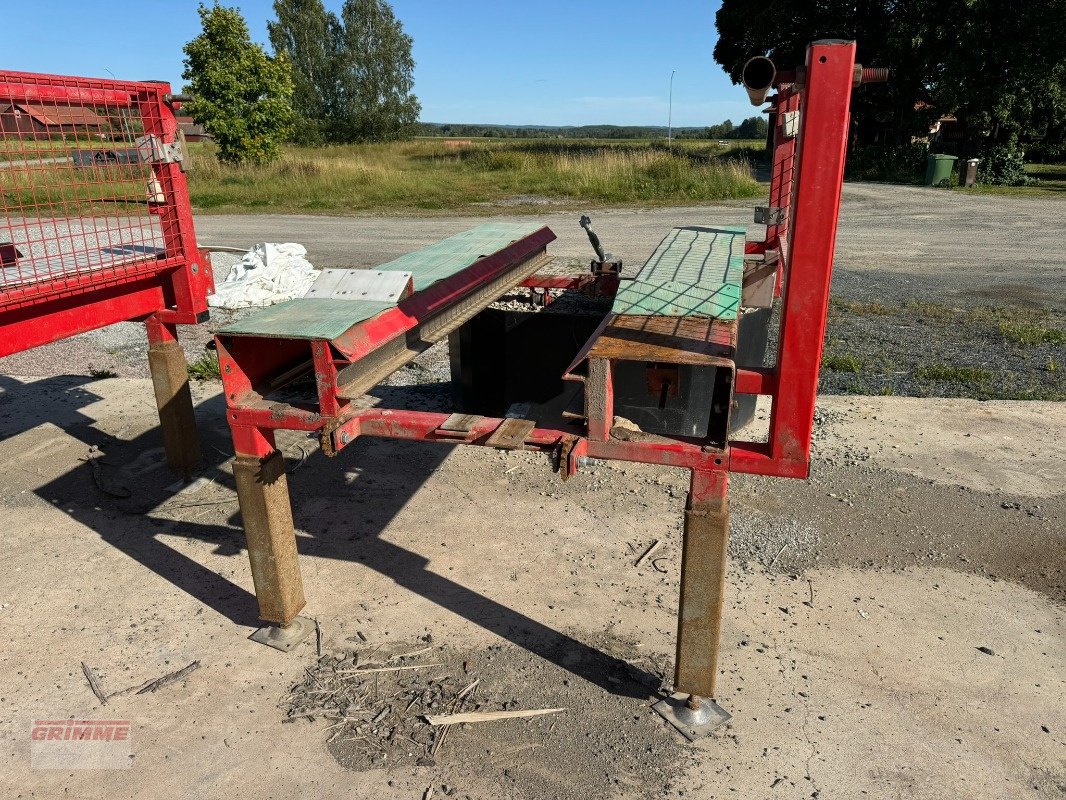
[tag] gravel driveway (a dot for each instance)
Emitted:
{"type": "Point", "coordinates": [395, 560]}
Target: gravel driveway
{"type": "Point", "coordinates": [935, 293]}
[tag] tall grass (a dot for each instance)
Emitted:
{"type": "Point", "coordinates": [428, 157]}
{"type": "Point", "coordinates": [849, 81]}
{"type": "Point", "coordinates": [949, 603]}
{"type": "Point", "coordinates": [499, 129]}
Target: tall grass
{"type": "Point", "coordinates": [433, 174]}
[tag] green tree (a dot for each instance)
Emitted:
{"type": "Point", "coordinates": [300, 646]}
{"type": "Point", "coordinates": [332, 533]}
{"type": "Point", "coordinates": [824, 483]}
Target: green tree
{"type": "Point", "coordinates": [997, 65]}
{"type": "Point", "coordinates": [242, 95]}
{"type": "Point", "coordinates": [310, 36]}
{"type": "Point", "coordinates": [375, 74]}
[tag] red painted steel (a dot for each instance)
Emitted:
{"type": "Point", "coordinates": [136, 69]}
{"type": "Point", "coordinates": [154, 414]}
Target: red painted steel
{"type": "Point", "coordinates": [821, 149]}
{"type": "Point", "coordinates": [806, 181]}
{"type": "Point", "coordinates": [104, 230]}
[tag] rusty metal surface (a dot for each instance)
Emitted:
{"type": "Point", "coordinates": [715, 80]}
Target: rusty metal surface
{"type": "Point", "coordinates": [672, 340]}
{"type": "Point", "coordinates": [511, 435]}
{"type": "Point", "coordinates": [703, 572]}
{"type": "Point", "coordinates": [360, 376]}
{"type": "Point", "coordinates": [263, 492]}
{"type": "Point", "coordinates": [173, 398]}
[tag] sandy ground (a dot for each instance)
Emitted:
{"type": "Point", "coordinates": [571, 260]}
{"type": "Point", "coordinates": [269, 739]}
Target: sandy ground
{"type": "Point", "coordinates": [852, 665]}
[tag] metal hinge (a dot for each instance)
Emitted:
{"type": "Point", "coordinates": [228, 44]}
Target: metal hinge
{"type": "Point", "coordinates": [153, 150]}
{"type": "Point", "coordinates": [769, 216]}
{"type": "Point", "coordinates": [790, 124]}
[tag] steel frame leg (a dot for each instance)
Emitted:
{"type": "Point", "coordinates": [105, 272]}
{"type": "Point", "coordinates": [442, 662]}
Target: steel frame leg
{"type": "Point", "coordinates": [263, 493]}
{"type": "Point", "coordinates": [692, 709]}
{"type": "Point", "coordinates": [173, 398]}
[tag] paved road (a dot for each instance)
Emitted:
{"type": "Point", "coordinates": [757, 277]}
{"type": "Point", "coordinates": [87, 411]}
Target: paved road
{"type": "Point", "coordinates": [895, 241]}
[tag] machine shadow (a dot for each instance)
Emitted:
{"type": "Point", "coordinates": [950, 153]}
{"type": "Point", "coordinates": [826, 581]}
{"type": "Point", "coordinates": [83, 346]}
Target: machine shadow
{"type": "Point", "coordinates": [133, 526]}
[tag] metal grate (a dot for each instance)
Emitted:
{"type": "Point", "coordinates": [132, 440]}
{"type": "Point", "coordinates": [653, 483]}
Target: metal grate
{"type": "Point", "coordinates": [80, 199]}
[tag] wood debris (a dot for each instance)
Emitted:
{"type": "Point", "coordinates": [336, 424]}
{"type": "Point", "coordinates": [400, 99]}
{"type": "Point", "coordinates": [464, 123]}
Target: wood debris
{"type": "Point", "coordinates": [172, 677]}
{"type": "Point", "coordinates": [651, 549]}
{"type": "Point", "coordinates": [487, 716]}
{"type": "Point", "coordinates": [94, 683]}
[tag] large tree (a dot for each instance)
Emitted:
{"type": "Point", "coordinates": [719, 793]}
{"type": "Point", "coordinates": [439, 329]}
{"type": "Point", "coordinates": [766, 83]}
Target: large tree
{"type": "Point", "coordinates": [997, 64]}
{"type": "Point", "coordinates": [310, 36]}
{"type": "Point", "coordinates": [242, 96]}
{"type": "Point", "coordinates": [355, 72]}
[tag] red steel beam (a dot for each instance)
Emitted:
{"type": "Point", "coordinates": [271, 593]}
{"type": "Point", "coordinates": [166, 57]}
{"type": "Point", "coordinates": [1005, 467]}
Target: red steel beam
{"type": "Point", "coordinates": [364, 338]}
{"type": "Point", "coordinates": [819, 175]}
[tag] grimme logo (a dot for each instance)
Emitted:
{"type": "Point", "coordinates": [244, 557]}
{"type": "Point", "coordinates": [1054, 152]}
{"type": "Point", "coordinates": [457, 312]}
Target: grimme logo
{"type": "Point", "coordinates": [80, 744]}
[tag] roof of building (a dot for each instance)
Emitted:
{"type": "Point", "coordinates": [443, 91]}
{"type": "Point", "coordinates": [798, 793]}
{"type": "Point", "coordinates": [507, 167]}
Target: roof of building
{"type": "Point", "coordinates": [59, 115]}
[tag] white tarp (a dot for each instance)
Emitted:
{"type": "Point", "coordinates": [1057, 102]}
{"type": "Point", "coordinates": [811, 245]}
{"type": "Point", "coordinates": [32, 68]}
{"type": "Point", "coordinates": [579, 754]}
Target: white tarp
{"type": "Point", "coordinates": [268, 274]}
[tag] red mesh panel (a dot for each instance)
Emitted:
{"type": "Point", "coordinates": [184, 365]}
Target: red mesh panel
{"type": "Point", "coordinates": [81, 204]}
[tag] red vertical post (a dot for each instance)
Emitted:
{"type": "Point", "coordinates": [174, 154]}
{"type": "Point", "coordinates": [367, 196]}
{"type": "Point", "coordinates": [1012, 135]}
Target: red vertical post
{"type": "Point", "coordinates": [785, 102]}
{"type": "Point", "coordinates": [189, 285]}
{"type": "Point", "coordinates": [819, 174]}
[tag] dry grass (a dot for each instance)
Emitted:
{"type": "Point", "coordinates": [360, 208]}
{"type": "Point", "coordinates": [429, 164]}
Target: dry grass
{"type": "Point", "coordinates": [427, 174]}
{"type": "Point", "coordinates": [431, 174]}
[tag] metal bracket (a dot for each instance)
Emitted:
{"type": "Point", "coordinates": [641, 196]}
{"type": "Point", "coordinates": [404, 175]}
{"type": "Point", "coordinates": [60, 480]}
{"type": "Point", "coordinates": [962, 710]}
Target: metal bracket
{"type": "Point", "coordinates": [568, 452]}
{"type": "Point", "coordinates": [692, 723]}
{"type": "Point", "coordinates": [284, 637]}
{"type": "Point", "coordinates": [153, 150]}
{"type": "Point", "coordinates": [769, 216]}
{"type": "Point", "coordinates": [362, 284]}
{"type": "Point", "coordinates": [606, 267]}
{"type": "Point", "coordinates": [790, 124]}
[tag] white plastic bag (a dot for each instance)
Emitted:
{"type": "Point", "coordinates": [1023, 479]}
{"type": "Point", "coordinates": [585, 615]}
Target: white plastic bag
{"type": "Point", "coordinates": [268, 274]}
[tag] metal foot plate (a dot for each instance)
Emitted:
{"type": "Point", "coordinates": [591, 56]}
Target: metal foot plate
{"type": "Point", "coordinates": [285, 637]}
{"type": "Point", "coordinates": [692, 724]}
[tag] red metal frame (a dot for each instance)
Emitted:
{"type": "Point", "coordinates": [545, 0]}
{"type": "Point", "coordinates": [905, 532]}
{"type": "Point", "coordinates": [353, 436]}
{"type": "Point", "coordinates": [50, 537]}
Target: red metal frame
{"type": "Point", "coordinates": [105, 236]}
{"type": "Point", "coordinates": [806, 181]}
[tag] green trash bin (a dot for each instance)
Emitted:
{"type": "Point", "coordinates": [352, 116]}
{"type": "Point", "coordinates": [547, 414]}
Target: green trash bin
{"type": "Point", "coordinates": [938, 169]}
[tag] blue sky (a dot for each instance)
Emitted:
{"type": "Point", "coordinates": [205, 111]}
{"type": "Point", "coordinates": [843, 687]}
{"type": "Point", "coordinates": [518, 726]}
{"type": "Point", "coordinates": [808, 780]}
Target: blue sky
{"type": "Point", "coordinates": [546, 62]}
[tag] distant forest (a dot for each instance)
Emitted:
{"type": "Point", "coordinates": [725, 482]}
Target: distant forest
{"type": "Point", "coordinates": [751, 128]}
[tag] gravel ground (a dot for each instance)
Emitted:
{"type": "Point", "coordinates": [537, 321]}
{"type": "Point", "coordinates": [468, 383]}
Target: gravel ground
{"type": "Point", "coordinates": [934, 294]}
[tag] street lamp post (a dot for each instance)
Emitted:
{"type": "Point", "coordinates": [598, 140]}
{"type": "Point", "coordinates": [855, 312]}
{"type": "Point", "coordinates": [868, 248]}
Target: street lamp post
{"type": "Point", "coordinates": [670, 115]}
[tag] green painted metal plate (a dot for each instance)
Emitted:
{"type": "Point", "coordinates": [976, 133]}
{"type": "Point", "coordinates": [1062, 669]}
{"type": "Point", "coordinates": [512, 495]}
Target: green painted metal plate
{"type": "Point", "coordinates": [449, 256]}
{"type": "Point", "coordinates": [676, 299]}
{"type": "Point", "coordinates": [307, 318]}
{"type": "Point", "coordinates": [695, 271]}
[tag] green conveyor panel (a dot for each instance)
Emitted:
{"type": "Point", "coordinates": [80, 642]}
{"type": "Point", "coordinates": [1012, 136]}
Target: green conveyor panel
{"type": "Point", "coordinates": [307, 318]}
{"type": "Point", "coordinates": [314, 318]}
{"type": "Point", "coordinates": [449, 256]}
{"type": "Point", "coordinates": [695, 271]}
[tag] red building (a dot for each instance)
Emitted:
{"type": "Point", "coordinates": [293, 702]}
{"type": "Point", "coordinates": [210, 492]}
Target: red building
{"type": "Point", "coordinates": [45, 122]}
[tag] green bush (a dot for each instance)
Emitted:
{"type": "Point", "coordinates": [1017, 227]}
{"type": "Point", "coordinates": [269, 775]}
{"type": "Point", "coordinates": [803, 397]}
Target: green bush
{"type": "Point", "coordinates": [1002, 165]}
{"type": "Point", "coordinates": [897, 163]}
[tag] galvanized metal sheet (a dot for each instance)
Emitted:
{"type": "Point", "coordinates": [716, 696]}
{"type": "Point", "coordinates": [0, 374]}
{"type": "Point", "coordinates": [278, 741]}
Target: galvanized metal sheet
{"type": "Point", "coordinates": [695, 270]}
{"type": "Point", "coordinates": [361, 284]}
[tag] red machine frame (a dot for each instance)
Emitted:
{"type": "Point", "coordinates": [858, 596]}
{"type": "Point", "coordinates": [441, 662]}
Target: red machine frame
{"type": "Point", "coordinates": [807, 173]}
{"type": "Point", "coordinates": [55, 290]}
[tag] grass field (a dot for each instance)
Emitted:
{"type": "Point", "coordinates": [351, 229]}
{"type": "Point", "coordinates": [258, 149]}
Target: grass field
{"type": "Point", "coordinates": [476, 175]}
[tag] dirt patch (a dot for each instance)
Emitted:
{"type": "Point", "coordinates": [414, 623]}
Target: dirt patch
{"type": "Point", "coordinates": [374, 702]}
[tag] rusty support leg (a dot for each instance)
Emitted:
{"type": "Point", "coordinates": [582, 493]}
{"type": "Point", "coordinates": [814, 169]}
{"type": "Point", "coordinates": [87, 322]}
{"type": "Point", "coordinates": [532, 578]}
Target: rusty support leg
{"type": "Point", "coordinates": [263, 492]}
{"type": "Point", "coordinates": [170, 379]}
{"type": "Point", "coordinates": [599, 399]}
{"type": "Point", "coordinates": [692, 709]}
